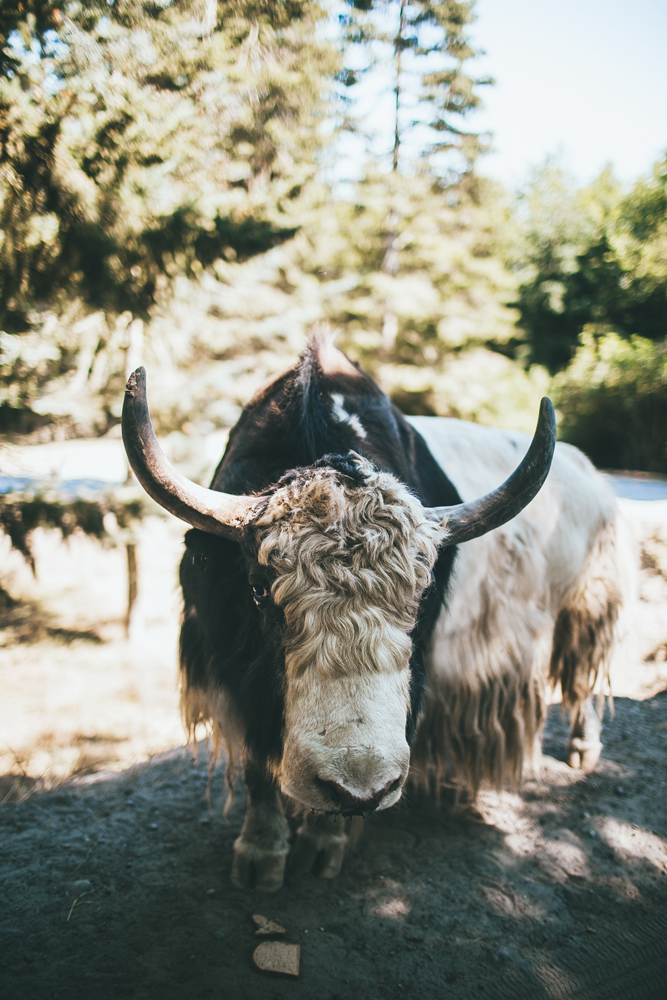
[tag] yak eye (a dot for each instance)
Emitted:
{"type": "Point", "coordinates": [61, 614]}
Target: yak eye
{"type": "Point", "coordinates": [260, 593]}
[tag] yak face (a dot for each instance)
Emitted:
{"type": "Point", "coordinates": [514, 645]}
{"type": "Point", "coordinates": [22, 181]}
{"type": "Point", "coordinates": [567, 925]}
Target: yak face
{"type": "Point", "coordinates": [338, 561]}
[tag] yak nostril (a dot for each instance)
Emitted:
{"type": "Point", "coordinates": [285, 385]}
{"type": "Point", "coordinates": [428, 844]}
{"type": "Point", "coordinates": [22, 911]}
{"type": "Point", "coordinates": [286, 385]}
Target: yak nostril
{"type": "Point", "coordinates": [348, 801]}
{"type": "Point", "coordinates": [343, 798]}
{"type": "Point", "coordinates": [391, 786]}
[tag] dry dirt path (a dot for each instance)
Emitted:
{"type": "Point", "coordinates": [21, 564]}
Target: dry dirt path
{"type": "Point", "coordinates": [120, 888]}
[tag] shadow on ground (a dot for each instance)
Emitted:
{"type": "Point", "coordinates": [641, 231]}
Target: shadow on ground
{"type": "Point", "coordinates": [119, 888]}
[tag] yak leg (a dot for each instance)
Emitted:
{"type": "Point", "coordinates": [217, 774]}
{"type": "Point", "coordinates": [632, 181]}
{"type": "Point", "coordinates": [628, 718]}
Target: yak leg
{"type": "Point", "coordinates": [584, 636]}
{"type": "Point", "coordinates": [261, 849]}
{"type": "Point", "coordinates": [320, 845]}
{"type": "Point", "coordinates": [584, 746]}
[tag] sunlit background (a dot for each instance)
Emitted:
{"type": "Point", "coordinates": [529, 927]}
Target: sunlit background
{"type": "Point", "coordinates": [586, 82]}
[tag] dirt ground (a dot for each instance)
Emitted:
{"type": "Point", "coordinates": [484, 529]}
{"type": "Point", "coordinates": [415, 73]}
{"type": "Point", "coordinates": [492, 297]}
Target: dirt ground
{"type": "Point", "coordinates": [114, 872]}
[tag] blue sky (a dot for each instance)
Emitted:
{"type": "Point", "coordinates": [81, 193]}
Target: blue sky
{"type": "Point", "coordinates": [583, 79]}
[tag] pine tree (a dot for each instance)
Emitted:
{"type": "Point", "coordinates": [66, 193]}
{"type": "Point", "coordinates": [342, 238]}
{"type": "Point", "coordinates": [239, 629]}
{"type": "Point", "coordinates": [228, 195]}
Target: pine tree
{"type": "Point", "coordinates": [449, 296]}
{"type": "Point", "coordinates": [141, 142]}
{"type": "Point", "coordinates": [422, 48]}
{"type": "Point", "coordinates": [429, 189]}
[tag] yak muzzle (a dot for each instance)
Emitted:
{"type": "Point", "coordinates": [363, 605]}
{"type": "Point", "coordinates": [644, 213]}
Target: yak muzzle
{"type": "Point", "coordinates": [351, 802]}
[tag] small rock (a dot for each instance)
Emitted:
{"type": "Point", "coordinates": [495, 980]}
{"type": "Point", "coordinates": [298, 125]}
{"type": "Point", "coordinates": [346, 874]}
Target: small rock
{"type": "Point", "coordinates": [278, 957]}
{"type": "Point", "coordinates": [153, 826]}
{"type": "Point", "coordinates": [266, 928]}
{"type": "Point", "coordinates": [210, 892]}
{"type": "Point", "coordinates": [82, 885]}
{"type": "Point", "coordinates": [619, 790]}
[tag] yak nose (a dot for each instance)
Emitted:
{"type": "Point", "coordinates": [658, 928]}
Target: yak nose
{"type": "Point", "coordinates": [350, 802]}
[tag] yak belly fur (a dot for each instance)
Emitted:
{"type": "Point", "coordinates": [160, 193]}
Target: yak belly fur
{"type": "Point", "coordinates": [534, 602]}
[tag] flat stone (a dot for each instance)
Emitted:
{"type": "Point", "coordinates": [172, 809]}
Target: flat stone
{"type": "Point", "coordinates": [267, 928]}
{"type": "Point", "coordinates": [278, 957]}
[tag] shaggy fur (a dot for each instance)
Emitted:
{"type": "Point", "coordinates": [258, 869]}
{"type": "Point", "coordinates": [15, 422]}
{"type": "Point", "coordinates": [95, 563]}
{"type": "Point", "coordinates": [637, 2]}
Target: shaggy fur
{"type": "Point", "coordinates": [348, 561]}
{"type": "Point", "coordinates": [586, 625]}
{"type": "Point", "coordinates": [487, 665]}
{"type": "Point", "coordinates": [532, 603]}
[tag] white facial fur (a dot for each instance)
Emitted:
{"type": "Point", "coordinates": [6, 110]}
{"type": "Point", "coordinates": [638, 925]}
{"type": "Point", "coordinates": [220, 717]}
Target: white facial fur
{"type": "Point", "coordinates": [349, 564]}
{"type": "Point", "coordinates": [349, 731]}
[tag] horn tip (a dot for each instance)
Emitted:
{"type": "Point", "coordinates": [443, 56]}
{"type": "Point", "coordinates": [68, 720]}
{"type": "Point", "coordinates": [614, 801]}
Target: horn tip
{"type": "Point", "coordinates": [547, 410]}
{"type": "Point", "coordinates": [137, 380]}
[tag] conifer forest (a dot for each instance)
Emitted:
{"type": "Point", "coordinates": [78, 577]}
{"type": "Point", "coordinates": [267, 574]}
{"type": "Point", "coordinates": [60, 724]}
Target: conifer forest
{"type": "Point", "coordinates": [179, 168]}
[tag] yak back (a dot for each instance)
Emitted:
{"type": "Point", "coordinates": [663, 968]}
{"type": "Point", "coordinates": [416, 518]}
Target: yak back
{"type": "Point", "coordinates": [291, 423]}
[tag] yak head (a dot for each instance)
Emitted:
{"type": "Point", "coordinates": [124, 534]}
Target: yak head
{"type": "Point", "coordinates": [339, 557]}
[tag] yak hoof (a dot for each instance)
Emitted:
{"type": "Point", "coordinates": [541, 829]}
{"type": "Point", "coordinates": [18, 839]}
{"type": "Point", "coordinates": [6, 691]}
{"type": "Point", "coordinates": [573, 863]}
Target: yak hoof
{"type": "Point", "coordinates": [583, 755]}
{"type": "Point", "coordinates": [257, 868]}
{"type": "Point", "coordinates": [319, 848]}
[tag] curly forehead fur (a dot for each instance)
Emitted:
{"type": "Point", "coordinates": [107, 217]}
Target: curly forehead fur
{"type": "Point", "coordinates": [349, 554]}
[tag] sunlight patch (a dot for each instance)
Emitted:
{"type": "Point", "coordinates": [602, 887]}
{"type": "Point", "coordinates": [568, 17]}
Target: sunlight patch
{"type": "Point", "coordinates": [634, 842]}
{"type": "Point", "coordinates": [393, 909]}
{"type": "Point", "coordinates": [566, 859]}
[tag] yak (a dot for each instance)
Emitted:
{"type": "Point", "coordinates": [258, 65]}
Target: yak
{"type": "Point", "coordinates": [363, 604]}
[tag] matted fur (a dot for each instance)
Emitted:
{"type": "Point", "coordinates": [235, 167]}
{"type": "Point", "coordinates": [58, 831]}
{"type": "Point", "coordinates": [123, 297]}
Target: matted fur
{"type": "Point", "coordinates": [350, 562]}
{"type": "Point", "coordinates": [212, 709]}
{"type": "Point", "coordinates": [487, 665]}
{"type": "Point", "coordinates": [530, 605]}
{"type": "Point", "coordinates": [485, 708]}
{"type": "Point", "coordinates": [586, 625]}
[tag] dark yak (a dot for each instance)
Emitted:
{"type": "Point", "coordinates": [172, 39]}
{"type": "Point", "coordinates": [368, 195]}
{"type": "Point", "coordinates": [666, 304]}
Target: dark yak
{"type": "Point", "coordinates": [349, 613]}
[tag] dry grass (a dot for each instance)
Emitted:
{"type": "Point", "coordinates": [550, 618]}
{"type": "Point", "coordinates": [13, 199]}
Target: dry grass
{"type": "Point", "coordinates": [73, 707]}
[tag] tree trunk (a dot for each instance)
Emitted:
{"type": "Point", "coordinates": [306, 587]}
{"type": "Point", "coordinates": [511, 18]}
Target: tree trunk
{"type": "Point", "coordinates": [398, 52]}
{"type": "Point", "coordinates": [133, 360]}
{"type": "Point", "coordinates": [390, 261]}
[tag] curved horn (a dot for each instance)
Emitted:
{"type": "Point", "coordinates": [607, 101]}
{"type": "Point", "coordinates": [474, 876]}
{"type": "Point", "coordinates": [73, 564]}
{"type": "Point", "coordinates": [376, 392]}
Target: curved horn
{"type": "Point", "coordinates": [217, 513]}
{"type": "Point", "coordinates": [469, 520]}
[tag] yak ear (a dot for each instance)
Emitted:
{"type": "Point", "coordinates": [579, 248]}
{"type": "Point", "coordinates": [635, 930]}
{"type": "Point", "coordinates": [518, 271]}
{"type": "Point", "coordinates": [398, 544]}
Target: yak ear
{"type": "Point", "coordinates": [470, 520]}
{"type": "Point", "coordinates": [216, 513]}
